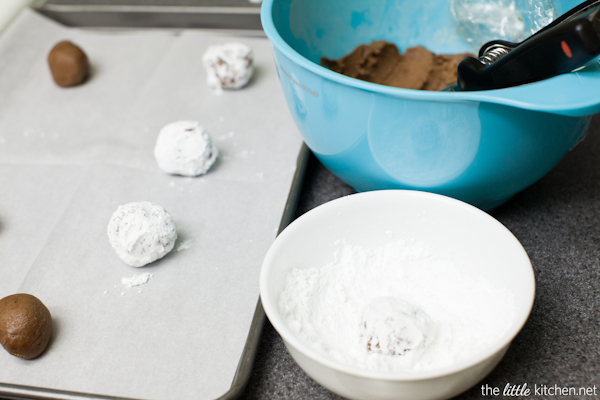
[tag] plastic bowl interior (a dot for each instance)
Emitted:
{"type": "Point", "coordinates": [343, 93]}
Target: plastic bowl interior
{"type": "Point", "coordinates": [479, 244]}
{"type": "Point", "coordinates": [480, 147]}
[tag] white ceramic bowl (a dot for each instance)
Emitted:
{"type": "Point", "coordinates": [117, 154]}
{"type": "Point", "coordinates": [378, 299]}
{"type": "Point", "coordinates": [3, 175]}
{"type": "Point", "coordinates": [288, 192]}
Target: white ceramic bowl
{"type": "Point", "coordinates": [478, 242]}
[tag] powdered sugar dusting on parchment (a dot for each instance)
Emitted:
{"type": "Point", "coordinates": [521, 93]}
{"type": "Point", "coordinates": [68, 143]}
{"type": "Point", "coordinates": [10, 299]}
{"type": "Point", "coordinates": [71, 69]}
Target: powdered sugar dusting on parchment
{"type": "Point", "coordinates": [136, 280]}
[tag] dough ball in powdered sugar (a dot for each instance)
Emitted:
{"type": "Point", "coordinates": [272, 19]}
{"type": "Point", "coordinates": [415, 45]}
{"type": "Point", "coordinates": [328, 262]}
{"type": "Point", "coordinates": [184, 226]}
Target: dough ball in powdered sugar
{"type": "Point", "coordinates": [393, 327]}
{"type": "Point", "coordinates": [141, 233]}
{"type": "Point", "coordinates": [228, 65]}
{"type": "Point", "coordinates": [185, 148]}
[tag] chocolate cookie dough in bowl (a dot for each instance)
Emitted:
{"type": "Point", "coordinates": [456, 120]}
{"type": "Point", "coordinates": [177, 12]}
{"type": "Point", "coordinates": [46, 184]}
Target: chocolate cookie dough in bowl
{"type": "Point", "coordinates": [481, 147]}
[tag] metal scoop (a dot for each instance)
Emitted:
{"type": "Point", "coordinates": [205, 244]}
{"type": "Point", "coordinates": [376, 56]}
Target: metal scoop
{"type": "Point", "coordinates": [565, 45]}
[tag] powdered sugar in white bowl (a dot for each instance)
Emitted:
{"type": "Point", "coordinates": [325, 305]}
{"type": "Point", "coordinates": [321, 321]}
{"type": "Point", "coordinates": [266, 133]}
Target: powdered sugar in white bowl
{"type": "Point", "coordinates": [397, 294]}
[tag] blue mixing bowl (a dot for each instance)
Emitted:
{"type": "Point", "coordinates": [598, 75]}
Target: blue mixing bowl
{"type": "Point", "coordinates": [480, 147]}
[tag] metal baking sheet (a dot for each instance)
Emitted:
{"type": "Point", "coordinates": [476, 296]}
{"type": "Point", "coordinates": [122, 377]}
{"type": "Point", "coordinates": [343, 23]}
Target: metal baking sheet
{"type": "Point", "coordinates": [207, 14]}
{"type": "Point", "coordinates": [69, 157]}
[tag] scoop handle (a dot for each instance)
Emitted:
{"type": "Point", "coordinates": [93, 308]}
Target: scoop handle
{"type": "Point", "coordinates": [563, 48]}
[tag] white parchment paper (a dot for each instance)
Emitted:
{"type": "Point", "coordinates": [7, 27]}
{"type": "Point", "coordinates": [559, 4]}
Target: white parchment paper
{"type": "Point", "coordinates": [69, 157]}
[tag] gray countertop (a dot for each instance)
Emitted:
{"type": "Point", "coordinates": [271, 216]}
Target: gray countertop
{"type": "Point", "coordinates": [557, 220]}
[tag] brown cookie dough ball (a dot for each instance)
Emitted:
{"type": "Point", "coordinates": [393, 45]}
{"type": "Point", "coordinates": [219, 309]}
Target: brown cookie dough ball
{"type": "Point", "coordinates": [68, 63]}
{"type": "Point", "coordinates": [25, 325]}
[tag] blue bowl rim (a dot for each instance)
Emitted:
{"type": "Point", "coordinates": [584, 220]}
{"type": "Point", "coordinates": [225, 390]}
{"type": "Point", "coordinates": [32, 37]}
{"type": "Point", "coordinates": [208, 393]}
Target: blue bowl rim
{"type": "Point", "coordinates": [569, 103]}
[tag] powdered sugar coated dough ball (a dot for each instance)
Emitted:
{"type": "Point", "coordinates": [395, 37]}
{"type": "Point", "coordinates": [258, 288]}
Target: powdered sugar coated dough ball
{"type": "Point", "coordinates": [141, 233]}
{"type": "Point", "coordinates": [185, 148]}
{"type": "Point", "coordinates": [228, 65]}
